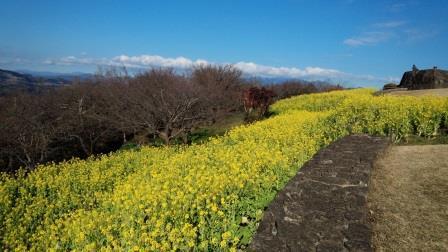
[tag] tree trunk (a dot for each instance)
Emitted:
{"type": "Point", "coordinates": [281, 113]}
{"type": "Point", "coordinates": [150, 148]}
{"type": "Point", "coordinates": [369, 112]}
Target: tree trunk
{"type": "Point", "coordinates": [166, 135]}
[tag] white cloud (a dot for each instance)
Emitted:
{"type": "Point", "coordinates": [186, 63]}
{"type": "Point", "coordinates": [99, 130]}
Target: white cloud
{"type": "Point", "coordinates": [390, 24]}
{"type": "Point", "coordinates": [415, 35]}
{"type": "Point", "coordinates": [145, 61]}
{"type": "Point", "coordinates": [249, 68]}
{"type": "Point", "coordinates": [292, 72]}
{"type": "Point", "coordinates": [401, 6]}
{"type": "Point", "coordinates": [396, 30]}
{"type": "Point", "coordinates": [155, 60]}
{"type": "Point", "coordinates": [368, 38]}
{"type": "Point", "coordinates": [399, 31]}
{"type": "Point", "coordinates": [73, 60]}
{"type": "Point", "coordinates": [396, 7]}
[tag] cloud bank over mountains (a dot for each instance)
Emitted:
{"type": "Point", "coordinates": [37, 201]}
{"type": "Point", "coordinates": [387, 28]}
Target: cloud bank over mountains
{"type": "Point", "coordinates": [249, 68]}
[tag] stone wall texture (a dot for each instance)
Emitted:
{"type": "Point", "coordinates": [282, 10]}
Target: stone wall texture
{"type": "Point", "coordinates": [324, 207]}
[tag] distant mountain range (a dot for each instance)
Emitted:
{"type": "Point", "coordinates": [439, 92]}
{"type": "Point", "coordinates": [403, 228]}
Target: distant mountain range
{"type": "Point", "coordinates": [33, 81]}
{"type": "Point", "coordinates": [277, 80]}
{"type": "Point", "coordinates": [53, 75]}
{"type": "Point", "coordinates": [15, 81]}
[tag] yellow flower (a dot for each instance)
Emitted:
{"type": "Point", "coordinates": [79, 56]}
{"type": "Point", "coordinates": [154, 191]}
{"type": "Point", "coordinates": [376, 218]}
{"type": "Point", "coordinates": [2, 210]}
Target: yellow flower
{"type": "Point", "coordinates": [181, 196]}
{"type": "Point", "coordinates": [223, 244]}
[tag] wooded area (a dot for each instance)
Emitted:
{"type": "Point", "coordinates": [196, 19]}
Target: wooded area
{"type": "Point", "coordinates": [100, 115]}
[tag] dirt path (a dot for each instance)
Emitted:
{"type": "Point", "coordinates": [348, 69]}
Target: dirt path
{"type": "Point", "coordinates": [435, 92]}
{"type": "Point", "coordinates": [408, 199]}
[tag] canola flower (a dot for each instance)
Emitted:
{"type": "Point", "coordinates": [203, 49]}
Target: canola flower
{"type": "Point", "coordinates": [318, 102]}
{"type": "Point", "coordinates": [207, 197]}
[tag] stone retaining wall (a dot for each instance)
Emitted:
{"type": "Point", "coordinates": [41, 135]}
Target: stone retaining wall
{"type": "Point", "coordinates": [323, 208]}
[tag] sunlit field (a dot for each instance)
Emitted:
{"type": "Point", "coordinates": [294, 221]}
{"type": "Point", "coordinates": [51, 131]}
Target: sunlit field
{"type": "Point", "coordinates": [199, 197]}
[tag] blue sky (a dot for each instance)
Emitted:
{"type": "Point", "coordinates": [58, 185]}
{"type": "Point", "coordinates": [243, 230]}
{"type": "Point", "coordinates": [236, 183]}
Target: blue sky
{"type": "Point", "coordinates": [354, 42]}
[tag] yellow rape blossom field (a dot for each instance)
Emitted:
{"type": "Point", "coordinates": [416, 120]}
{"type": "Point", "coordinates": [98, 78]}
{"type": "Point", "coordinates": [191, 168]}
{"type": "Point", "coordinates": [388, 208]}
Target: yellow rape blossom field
{"type": "Point", "coordinates": [207, 197]}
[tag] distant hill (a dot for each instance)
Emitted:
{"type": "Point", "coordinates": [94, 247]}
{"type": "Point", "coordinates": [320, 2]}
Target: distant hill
{"type": "Point", "coordinates": [278, 80]}
{"type": "Point", "coordinates": [35, 81]}
{"type": "Point", "coordinates": [60, 76]}
{"type": "Point", "coordinates": [11, 81]}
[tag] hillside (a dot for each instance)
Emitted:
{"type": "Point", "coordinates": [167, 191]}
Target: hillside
{"type": "Point", "coordinates": [11, 81]}
{"type": "Point", "coordinates": [204, 197]}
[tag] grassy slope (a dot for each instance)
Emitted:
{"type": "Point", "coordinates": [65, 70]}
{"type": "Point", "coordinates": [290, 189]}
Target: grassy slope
{"type": "Point", "coordinates": [208, 196]}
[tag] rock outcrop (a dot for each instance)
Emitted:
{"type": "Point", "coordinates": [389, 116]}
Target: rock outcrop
{"type": "Point", "coordinates": [424, 79]}
{"type": "Point", "coordinates": [390, 86]}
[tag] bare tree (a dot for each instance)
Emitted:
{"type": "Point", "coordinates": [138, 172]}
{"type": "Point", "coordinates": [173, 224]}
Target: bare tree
{"type": "Point", "coordinates": [221, 88]}
{"type": "Point", "coordinates": [27, 125]}
{"type": "Point", "coordinates": [99, 115]}
{"type": "Point", "coordinates": [298, 87]}
{"type": "Point", "coordinates": [158, 102]}
{"type": "Point", "coordinates": [83, 120]}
